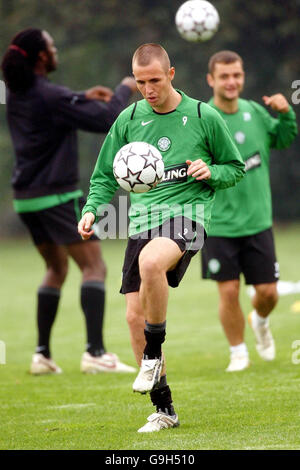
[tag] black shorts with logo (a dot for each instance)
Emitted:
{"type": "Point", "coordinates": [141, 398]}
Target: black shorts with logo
{"type": "Point", "coordinates": [57, 225]}
{"type": "Point", "coordinates": [224, 259]}
{"type": "Point", "coordinates": [188, 235]}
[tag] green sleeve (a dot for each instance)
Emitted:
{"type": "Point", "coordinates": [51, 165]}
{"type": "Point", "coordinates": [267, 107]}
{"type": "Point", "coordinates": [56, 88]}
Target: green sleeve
{"type": "Point", "coordinates": [228, 167]}
{"type": "Point", "coordinates": [282, 130]}
{"type": "Point", "coordinates": [103, 184]}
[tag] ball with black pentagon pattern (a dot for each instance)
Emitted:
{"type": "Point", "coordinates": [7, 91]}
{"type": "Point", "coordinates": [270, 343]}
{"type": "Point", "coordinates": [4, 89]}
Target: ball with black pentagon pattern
{"type": "Point", "coordinates": [138, 167]}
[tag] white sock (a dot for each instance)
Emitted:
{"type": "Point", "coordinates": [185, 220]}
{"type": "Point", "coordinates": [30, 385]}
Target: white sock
{"type": "Point", "coordinates": [257, 320]}
{"type": "Point", "coordinates": [239, 349]}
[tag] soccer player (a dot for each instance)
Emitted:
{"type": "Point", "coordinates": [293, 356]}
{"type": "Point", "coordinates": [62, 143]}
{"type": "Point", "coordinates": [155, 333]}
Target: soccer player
{"type": "Point", "coordinates": [164, 234]}
{"type": "Point", "coordinates": [43, 118]}
{"type": "Point", "coordinates": [240, 238]}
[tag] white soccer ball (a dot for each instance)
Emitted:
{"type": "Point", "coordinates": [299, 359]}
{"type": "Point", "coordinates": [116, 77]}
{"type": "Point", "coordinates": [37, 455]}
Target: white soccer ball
{"type": "Point", "coordinates": [138, 167]}
{"type": "Point", "coordinates": [197, 20]}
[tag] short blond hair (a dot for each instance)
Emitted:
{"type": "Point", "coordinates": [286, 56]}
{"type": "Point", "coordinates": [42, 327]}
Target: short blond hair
{"type": "Point", "coordinates": [146, 53]}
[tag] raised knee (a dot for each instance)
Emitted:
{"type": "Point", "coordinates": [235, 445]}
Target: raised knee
{"type": "Point", "coordinates": [149, 267]}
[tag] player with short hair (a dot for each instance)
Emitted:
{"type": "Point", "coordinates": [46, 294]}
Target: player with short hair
{"type": "Point", "coordinates": [191, 136]}
{"type": "Point", "coordinates": [240, 238]}
{"type": "Point", "coordinates": [43, 119]}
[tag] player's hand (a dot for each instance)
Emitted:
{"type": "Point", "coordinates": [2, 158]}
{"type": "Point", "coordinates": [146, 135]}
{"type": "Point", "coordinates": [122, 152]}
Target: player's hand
{"type": "Point", "coordinates": [198, 169]}
{"type": "Point", "coordinates": [100, 93]}
{"type": "Point", "coordinates": [277, 102]}
{"type": "Point", "coordinates": [84, 226]}
{"type": "Point", "coordinates": [130, 82]}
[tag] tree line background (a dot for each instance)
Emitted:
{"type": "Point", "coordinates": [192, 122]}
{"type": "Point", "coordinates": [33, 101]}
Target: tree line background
{"type": "Point", "coordinates": [96, 40]}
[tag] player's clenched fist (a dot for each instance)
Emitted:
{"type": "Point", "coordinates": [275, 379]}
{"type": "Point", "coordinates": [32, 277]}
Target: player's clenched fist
{"type": "Point", "coordinates": [198, 169]}
{"type": "Point", "coordinates": [277, 102]}
{"type": "Point", "coordinates": [101, 93]}
{"type": "Point", "coordinates": [84, 226]}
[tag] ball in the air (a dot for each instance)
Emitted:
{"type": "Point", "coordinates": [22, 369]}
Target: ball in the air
{"type": "Point", "coordinates": [197, 20]}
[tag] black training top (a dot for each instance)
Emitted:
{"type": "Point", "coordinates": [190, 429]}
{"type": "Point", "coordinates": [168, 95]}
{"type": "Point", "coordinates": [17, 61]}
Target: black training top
{"type": "Point", "coordinates": [43, 123]}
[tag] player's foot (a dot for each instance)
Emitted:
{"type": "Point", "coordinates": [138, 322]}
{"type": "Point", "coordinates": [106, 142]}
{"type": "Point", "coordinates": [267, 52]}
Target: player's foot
{"type": "Point", "coordinates": [41, 365]}
{"type": "Point", "coordinates": [159, 421]}
{"type": "Point", "coordinates": [148, 375]}
{"type": "Point", "coordinates": [265, 344]}
{"type": "Point", "coordinates": [107, 362]}
{"type": "Point", "coordinates": [238, 361]}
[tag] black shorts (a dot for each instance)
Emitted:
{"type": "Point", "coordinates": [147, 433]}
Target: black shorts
{"type": "Point", "coordinates": [224, 259]}
{"type": "Point", "coordinates": [188, 235]}
{"type": "Point", "coordinates": [57, 225]}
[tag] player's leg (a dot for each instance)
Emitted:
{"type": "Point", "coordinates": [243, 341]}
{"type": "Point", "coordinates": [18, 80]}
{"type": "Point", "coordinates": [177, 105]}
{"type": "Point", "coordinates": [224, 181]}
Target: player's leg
{"type": "Point", "coordinates": [265, 298]}
{"type": "Point", "coordinates": [261, 270]}
{"type": "Point", "coordinates": [56, 262]}
{"type": "Point", "coordinates": [136, 323]}
{"type": "Point", "coordinates": [230, 312]}
{"type": "Point", "coordinates": [55, 257]}
{"type": "Point", "coordinates": [264, 301]}
{"type": "Point", "coordinates": [158, 257]}
{"type": "Point", "coordinates": [161, 262]}
{"type": "Point", "coordinates": [88, 257]}
{"type": "Point", "coordinates": [233, 323]}
{"type": "Point", "coordinates": [161, 397]}
{"type": "Point", "coordinates": [220, 262]}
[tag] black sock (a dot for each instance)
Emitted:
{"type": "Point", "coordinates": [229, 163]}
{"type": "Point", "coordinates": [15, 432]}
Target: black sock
{"type": "Point", "coordinates": [161, 397]}
{"type": "Point", "coordinates": [48, 298]}
{"type": "Point", "coordinates": [92, 302]}
{"type": "Point", "coordinates": [155, 336]}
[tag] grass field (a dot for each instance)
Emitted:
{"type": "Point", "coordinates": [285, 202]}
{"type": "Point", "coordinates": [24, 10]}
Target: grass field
{"type": "Point", "coordinates": [255, 409]}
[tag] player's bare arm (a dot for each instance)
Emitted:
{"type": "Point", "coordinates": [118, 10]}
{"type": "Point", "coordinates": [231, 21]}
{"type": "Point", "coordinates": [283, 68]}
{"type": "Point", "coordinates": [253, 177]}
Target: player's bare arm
{"type": "Point", "coordinates": [198, 169]}
{"type": "Point", "coordinates": [85, 224]}
{"type": "Point", "coordinates": [277, 102]}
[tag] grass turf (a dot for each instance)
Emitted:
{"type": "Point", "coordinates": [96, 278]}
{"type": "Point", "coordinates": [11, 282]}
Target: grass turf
{"type": "Point", "coordinates": [253, 409]}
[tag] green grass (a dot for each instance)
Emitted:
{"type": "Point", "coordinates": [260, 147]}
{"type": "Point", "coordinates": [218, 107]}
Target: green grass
{"type": "Point", "coordinates": [255, 409]}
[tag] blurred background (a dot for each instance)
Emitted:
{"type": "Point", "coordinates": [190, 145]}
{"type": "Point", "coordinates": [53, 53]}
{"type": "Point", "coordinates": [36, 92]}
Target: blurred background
{"type": "Point", "coordinates": [96, 40]}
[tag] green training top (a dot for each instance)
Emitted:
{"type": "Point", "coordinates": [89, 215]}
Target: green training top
{"type": "Point", "coordinates": [193, 130]}
{"type": "Point", "coordinates": [247, 208]}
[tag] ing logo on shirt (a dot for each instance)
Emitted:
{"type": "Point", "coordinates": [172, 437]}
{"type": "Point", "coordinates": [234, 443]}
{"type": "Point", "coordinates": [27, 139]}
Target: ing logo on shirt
{"type": "Point", "coordinates": [252, 162]}
{"type": "Point", "coordinates": [175, 174]}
